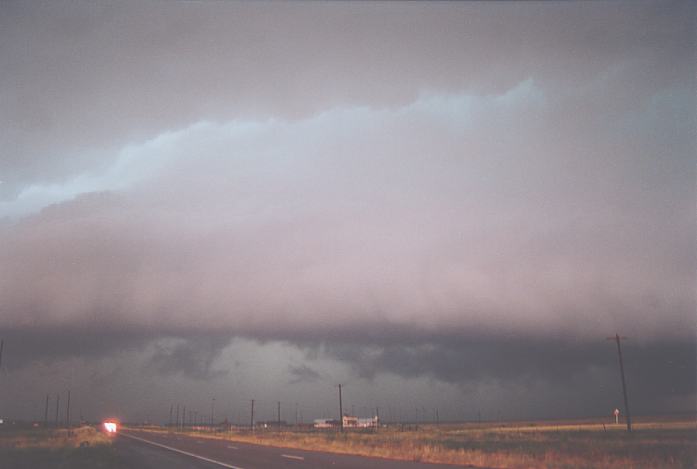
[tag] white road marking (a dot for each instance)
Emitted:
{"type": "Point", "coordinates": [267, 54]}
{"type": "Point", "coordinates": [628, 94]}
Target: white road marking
{"type": "Point", "coordinates": [232, 447]}
{"type": "Point", "coordinates": [290, 456]}
{"type": "Point", "coordinates": [202, 458]}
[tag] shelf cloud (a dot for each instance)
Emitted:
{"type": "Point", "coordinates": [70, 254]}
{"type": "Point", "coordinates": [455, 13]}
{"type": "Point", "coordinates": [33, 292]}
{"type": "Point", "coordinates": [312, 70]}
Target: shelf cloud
{"type": "Point", "coordinates": [390, 186]}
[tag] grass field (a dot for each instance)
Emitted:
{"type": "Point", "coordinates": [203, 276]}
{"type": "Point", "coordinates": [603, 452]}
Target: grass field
{"type": "Point", "coordinates": [530, 445]}
{"type": "Point", "coordinates": [36, 448]}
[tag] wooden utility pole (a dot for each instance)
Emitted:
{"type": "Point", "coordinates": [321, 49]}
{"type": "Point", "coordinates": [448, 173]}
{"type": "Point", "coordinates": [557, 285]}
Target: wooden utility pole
{"type": "Point", "coordinates": [67, 412]}
{"type": "Point", "coordinates": [341, 412]}
{"type": "Point", "coordinates": [251, 420]}
{"type": "Point", "coordinates": [171, 408]}
{"type": "Point", "coordinates": [58, 399]}
{"type": "Point", "coordinates": [212, 406]}
{"type": "Point", "coordinates": [617, 339]}
{"type": "Point", "coordinates": [279, 416]}
{"type": "Point", "coordinates": [46, 413]}
{"type": "Point", "coordinates": [2, 344]}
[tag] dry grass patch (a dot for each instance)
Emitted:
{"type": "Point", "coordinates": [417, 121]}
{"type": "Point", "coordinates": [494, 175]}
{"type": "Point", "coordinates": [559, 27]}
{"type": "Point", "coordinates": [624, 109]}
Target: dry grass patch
{"type": "Point", "coordinates": [53, 439]}
{"type": "Point", "coordinates": [81, 448]}
{"type": "Point", "coordinates": [670, 445]}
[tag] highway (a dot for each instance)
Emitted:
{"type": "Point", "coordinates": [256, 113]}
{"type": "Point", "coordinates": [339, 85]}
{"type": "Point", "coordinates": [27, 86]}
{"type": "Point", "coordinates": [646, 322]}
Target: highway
{"type": "Point", "coordinates": [168, 451]}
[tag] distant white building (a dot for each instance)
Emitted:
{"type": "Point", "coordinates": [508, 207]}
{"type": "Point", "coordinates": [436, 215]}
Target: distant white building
{"type": "Point", "coordinates": [356, 422]}
{"type": "Point", "coordinates": [349, 421]}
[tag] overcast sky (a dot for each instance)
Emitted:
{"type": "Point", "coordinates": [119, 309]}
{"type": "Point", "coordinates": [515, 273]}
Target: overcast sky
{"type": "Point", "coordinates": [440, 205]}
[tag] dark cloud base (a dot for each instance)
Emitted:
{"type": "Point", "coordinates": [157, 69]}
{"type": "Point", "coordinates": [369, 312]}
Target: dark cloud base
{"type": "Point", "coordinates": [586, 372]}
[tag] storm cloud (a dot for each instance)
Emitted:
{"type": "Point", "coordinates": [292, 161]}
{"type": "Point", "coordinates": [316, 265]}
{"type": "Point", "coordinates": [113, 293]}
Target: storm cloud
{"type": "Point", "coordinates": [463, 192]}
{"type": "Point", "coordinates": [423, 216]}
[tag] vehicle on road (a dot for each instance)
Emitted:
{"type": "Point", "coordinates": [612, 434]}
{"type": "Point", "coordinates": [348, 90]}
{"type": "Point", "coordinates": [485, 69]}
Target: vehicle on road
{"type": "Point", "coordinates": [111, 426]}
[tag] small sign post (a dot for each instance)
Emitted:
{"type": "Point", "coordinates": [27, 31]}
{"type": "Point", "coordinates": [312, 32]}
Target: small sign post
{"type": "Point", "coordinates": [617, 415]}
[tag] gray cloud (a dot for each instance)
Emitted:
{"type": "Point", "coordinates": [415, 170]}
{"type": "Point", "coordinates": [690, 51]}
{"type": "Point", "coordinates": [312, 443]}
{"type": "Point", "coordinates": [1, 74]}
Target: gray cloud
{"type": "Point", "coordinates": [80, 80]}
{"type": "Point", "coordinates": [193, 357]}
{"type": "Point", "coordinates": [656, 370]}
{"type": "Point", "coordinates": [303, 374]}
{"type": "Point", "coordinates": [417, 190]}
{"type": "Point", "coordinates": [251, 227]}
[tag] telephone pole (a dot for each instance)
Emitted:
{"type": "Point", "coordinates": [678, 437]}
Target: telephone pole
{"type": "Point", "coordinates": [341, 411]}
{"type": "Point", "coordinates": [251, 420]}
{"type": "Point", "coordinates": [67, 412]}
{"type": "Point", "coordinates": [171, 408]}
{"type": "Point", "coordinates": [46, 413]}
{"type": "Point", "coordinates": [212, 405]}
{"type": "Point", "coordinates": [58, 399]}
{"type": "Point", "coordinates": [279, 416]}
{"type": "Point", "coordinates": [617, 339]}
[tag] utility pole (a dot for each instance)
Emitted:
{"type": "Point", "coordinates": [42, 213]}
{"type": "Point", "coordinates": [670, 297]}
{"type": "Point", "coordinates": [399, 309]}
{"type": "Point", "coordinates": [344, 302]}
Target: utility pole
{"type": "Point", "coordinates": [251, 420]}
{"type": "Point", "coordinates": [296, 414]}
{"type": "Point", "coordinates": [67, 412]}
{"type": "Point", "coordinates": [437, 417]}
{"type": "Point", "coordinates": [279, 416]}
{"type": "Point", "coordinates": [58, 399]}
{"type": "Point", "coordinates": [183, 418]}
{"type": "Point", "coordinates": [171, 408]}
{"type": "Point", "coordinates": [341, 412]}
{"type": "Point", "coordinates": [212, 405]}
{"type": "Point", "coordinates": [2, 344]}
{"type": "Point", "coordinates": [176, 426]}
{"type": "Point", "coordinates": [617, 339]}
{"type": "Point", "coordinates": [46, 413]}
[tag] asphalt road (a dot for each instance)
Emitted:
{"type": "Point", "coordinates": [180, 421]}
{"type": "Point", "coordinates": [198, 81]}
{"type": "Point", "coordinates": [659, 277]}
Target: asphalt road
{"type": "Point", "coordinates": [164, 451]}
